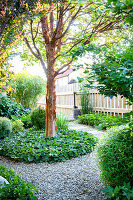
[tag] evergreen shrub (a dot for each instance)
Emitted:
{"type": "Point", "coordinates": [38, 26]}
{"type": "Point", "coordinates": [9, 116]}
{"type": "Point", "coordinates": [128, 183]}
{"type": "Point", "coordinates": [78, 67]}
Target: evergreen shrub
{"type": "Point", "coordinates": [26, 119]}
{"type": "Point", "coordinates": [38, 118]}
{"type": "Point", "coordinates": [115, 156]}
{"type": "Point", "coordinates": [17, 126]}
{"type": "Point", "coordinates": [5, 127]}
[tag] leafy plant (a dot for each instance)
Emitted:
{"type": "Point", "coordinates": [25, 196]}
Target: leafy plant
{"type": "Point", "coordinates": [27, 89]}
{"type": "Point", "coordinates": [38, 118]}
{"type": "Point", "coordinates": [17, 189]}
{"type": "Point", "coordinates": [17, 126]}
{"type": "Point", "coordinates": [9, 108]}
{"type": "Point", "coordinates": [113, 72]}
{"type": "Point", "coordinates": [124, 192]}
{"type": "Point", "coordinates": [26, 119]}
{"type": "Point", "coordinates": [102, 121]}
{"type": "Point", "coordinates": [5, 127]}
{"type": "Point", "coordinates": [115, 156]}
{"type": "Point", "coordinates": [34, 146]}
{"type": "Point", "coordinates": [61, 122]}
{"type": "Point", "coordinates": [86, 108]}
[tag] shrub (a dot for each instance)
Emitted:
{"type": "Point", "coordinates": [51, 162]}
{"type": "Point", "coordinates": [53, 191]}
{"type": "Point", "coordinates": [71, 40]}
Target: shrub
{"type": "Point", "coordinates": [34, 146]}
{"type": "Point", "coordinates": [115, 156]}
{"type": "Point", "coordinates": [17, 189]}
{"type": "Point", "coordinates": [61, 122]}
{"type": "Point", "coordinates": [5, 127]}
{"type": "Point", "coordinates": [9, 108]}
{"type": "Point", "coordinates": [26, 119]}
{"type": "Point", "coordinates": [27, 89]}
{"type": "Point", "coordinates": [101, 121]}
{"type": "Point", "coordinates": [38, 118]}
{"type": "Point", "coordinates": [17, 126]}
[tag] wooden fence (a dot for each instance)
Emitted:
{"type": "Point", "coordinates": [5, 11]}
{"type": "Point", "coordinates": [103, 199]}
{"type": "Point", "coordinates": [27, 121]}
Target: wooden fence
{"type": "Point", "coordinates": [100, 103]}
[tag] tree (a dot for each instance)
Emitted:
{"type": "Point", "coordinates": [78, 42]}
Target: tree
{"type": "Point", "coordinates": [122, 7]}
{"type": "Point", "coordinates": [59, 32]}
{"type": "Point", "coordinates": [13, 14]}
{"type": "Point", "coordinates": [113, 72]}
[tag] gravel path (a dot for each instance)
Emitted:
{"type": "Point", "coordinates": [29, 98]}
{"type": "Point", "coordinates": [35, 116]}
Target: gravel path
{"type": "Point", "coordinates": [75, 179]}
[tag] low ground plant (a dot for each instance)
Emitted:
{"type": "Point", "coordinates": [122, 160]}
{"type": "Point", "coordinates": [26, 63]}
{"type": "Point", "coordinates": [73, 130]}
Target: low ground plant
{"type": "Point", "coordinates": [5, 127]}
{"type": "Point", "coordinates": [124, 192]}
{"type": "Point", "coordinates": [115, 156]}
{"type": "Point", "coordinates": [34, 146]}
{"type": "Point", "coordinates": [101, 121]}
{"type": "Point", "coordinates": [17, 189]}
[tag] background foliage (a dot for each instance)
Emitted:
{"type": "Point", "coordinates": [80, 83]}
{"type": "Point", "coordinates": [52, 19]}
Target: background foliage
{"type": "Point", "coordinates": [27, 89]}
{"type": "Point", "coordinates": [10, 108]}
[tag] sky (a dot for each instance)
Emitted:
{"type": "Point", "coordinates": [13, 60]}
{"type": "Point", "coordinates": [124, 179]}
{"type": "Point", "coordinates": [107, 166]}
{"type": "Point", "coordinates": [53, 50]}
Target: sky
{"type": "Point", "coordinates": [19, 66]}
{"type": "Point", "coordinates": [37, 70]}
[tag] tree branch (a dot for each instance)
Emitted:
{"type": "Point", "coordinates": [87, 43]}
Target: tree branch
{"type": "Point", "coordinates": [38, 55]}
{"type": "Point", "coordinates": [51, 21]}
{"type": "Point", "coordinates": [31, 50]}
{"type": "Point", "coordinates": [71, 21]}
{"type": "Point", "coordinates": [57, 72]}
{"type": "Point", "coordinates": [37, 30]}
{"type": "Point", "coordinates": [59, 23]}
{"type": "Point", "coordinates": [45, 29]}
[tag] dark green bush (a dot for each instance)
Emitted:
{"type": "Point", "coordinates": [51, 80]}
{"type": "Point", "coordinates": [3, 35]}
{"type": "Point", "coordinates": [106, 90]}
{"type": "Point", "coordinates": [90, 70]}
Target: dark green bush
{"type": "Point", "coordinates": [124, 192]}
{"type": "Point", "coordinates": [9, 108]}
{"type": "Point", "coordinates": [5, 127]}
{"type": "Point", "coordinates": [34, 146]}
{"type": "Point", "coordinates": [17, 189]}
{"type": "Point", "coordinates": [17, 126]}
{"type": "Point", "coordinates": [102, 121]}
{"type": "Point", "coordinates": [38, 118]}
{"type": "Point", "coordinates": [115, 156]}
{"type": "Point", "coordinates": [26, 119]}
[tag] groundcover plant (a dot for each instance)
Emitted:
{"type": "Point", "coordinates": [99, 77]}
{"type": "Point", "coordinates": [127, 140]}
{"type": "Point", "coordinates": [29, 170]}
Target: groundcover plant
{"type": "Point", "coordinates": [34, 146]}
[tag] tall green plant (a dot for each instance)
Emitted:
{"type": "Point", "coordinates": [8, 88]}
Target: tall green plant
{"type": "Point", "coordinates": [27, 89]}
{"type": "Point", "coordinates": [86, 107]}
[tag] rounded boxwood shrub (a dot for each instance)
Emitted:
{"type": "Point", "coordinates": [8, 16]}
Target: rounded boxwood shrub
{"type": "Point", "coordinates": [17, 189]}
{"type": "Point", "coordinates": [17, 126]}
{"type": "Point", "coordinates": [115, 156]}
{"type": "Point", "coordinates": [38, 118]}
{"type": "Point", "coordinates": [5, 127]}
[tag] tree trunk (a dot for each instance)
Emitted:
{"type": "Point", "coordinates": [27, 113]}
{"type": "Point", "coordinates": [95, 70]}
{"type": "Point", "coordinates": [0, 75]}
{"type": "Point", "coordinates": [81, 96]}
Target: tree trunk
{"type": "Point", "coordinates": [50, 129]}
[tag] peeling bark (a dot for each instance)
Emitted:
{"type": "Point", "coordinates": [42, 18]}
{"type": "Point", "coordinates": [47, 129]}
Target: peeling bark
{"type": "Point", "coordinates": [50, 129]}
